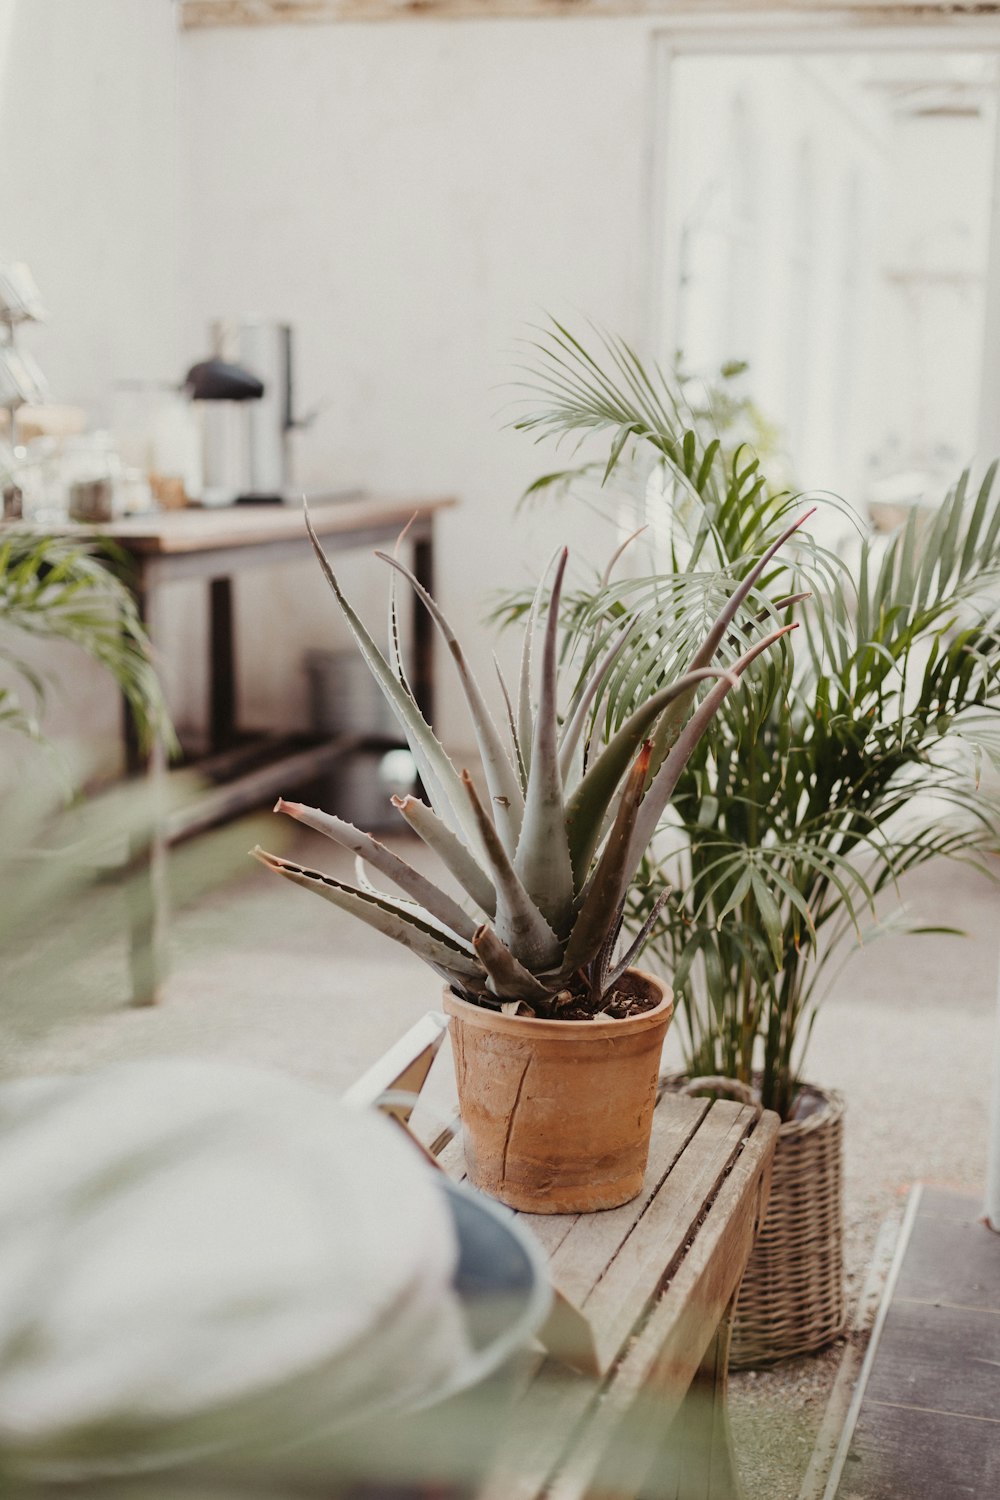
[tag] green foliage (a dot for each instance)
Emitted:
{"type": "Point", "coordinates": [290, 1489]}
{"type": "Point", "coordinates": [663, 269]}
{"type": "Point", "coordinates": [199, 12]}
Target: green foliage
{"type": "Point", "coordinates": [802, 806]}
{"type": "Point", "coordinates": [545, 843]}
{"type": "Point", "coordinates": [60, 588]}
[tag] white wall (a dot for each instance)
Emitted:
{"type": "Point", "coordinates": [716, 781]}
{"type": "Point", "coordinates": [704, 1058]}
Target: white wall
{"type": "Point", "coordinates": [88, 197]}
{"type": "Point", "coordinates": [410, 196]}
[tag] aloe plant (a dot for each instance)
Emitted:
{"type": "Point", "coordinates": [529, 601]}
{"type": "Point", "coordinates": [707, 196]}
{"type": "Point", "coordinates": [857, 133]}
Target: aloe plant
{"type": "Point", "coordinates": [545, 843]}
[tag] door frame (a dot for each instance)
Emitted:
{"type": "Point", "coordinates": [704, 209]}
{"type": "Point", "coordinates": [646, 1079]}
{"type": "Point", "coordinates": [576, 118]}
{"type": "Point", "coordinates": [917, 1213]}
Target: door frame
{"type": "Point", "coordinates": [791, 34]}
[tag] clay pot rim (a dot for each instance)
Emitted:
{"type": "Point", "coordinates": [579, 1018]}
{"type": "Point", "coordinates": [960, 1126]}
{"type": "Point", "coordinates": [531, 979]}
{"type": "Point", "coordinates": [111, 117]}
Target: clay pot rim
{"type": "Point", "coordinates": [537, 1026]}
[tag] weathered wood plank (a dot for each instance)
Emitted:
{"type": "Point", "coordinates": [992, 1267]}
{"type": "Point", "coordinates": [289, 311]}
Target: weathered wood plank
{"type": "Point", "coordinates": [624, 1433]}
{"type": "Point", "coordinates": [173, 533]}
{"type": "Point", "coordinates": [647, 1258]}
{"type": "Point", "coordinates": [618, 1429]}
{"type": "Point", "coordinates": [205, 13]}
{"type": "Point", "coordinates": [595, 1240]}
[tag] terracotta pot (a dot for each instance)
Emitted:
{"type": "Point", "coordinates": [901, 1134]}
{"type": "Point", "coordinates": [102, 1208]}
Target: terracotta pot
{"type": "Point", "coordinates": [556, 1115]}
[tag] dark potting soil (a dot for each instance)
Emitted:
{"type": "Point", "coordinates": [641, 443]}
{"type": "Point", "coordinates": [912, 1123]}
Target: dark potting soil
{"type": "Point", "coordinates": [630, 997]}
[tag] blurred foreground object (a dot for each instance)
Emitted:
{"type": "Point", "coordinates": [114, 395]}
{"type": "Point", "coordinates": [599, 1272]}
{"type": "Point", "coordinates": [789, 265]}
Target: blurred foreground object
{"type": "Point", "coordinates": [207, 1264]}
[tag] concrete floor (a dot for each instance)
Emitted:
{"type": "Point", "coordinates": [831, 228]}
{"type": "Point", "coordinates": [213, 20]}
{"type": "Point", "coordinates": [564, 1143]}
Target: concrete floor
{"type": "Point", "coordinates": [266, 973]}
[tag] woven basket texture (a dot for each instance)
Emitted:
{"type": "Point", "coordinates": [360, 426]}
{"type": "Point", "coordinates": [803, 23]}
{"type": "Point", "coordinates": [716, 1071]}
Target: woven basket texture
{"type": "Point", "coordinates": [792, 1297]}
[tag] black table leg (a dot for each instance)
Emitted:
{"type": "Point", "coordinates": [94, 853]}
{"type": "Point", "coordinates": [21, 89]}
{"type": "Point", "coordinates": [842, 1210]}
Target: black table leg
{"type": "Point", "coordinates": [222, 665]}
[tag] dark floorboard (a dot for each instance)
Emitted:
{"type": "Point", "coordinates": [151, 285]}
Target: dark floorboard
{"type": "Point", "coordinates": [929, 1427]}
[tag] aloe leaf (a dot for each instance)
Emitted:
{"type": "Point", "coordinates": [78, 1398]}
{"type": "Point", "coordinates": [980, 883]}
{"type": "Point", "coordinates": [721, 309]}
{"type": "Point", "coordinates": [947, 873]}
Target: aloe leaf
{"type": "Point", "coordinates": [395, 648]}
{"type": "Point", "coordinates": [715, 635]}
{"type": "Point", "coordinates": [578, 714]}
{"type": "Point", "coordinates": [454, 855]}
{"type": "Point", "coordinates": [436, 770]}
{"type": "Point", "coordinates": [606, 888]}
{"type": "Point", "coordinates": [525, 717]}
{"type": "Point", "coordinates": [506, 795]}
{"type": "Point", "coordinates": [508, 978]}
{"type": "Point", "coordinates": [639, 942]}
{"type": "Point", "coordinates": [409, 880]}
{"type": "Point", "coordinates": [587, 807]}
{"type": "Point", "coordinates": [542, 860]}
{"type": "Point", "coordinates": [666, 778]}
{"type": "Point", "coordinates": [400, 923]}
{"type": "Point", "coordinates": [520, 925]}
{"type": "Point", "coordinates": [512, 724]}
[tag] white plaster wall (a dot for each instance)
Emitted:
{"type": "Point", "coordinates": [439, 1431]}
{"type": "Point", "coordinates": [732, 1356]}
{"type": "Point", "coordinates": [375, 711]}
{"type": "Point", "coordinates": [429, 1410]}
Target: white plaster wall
{"type": "Point", "coordinates": [88, 197]}
{"type": "Point", "coordinates": [410, 196]}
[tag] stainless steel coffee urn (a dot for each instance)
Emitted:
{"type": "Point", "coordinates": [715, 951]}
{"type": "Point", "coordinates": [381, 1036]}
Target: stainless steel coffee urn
{"type": "Point", "coordinates": [244, 430]}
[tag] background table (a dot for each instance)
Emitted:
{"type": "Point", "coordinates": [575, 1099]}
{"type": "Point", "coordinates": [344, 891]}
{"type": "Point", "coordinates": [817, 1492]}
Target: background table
{"type": "Point", "coordinates": [242, 769]}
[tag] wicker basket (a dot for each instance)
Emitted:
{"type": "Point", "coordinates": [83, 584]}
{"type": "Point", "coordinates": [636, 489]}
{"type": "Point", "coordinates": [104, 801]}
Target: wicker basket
{"type": "Point", "coordinates": [792, 1297]}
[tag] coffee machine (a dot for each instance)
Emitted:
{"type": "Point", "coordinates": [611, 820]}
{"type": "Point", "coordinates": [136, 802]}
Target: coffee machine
{"type": "Point", "coordinates": [244, 398]}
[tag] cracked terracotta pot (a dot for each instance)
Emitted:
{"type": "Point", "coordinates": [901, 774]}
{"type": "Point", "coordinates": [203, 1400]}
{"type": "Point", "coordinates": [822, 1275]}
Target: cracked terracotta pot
{"type": "Point", "coordinates": [556, 1115]}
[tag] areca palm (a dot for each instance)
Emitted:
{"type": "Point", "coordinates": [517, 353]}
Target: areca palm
{"type": "Point", "coordinates": [63, 588]}
{"type": "Point", "coordinates": [809, 800]}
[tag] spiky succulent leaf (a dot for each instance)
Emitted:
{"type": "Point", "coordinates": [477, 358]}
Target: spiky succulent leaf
{"type": "Point", "coordinates": [454, 855]}
{"type": "Point", "coordinates": [507, 977]}
{"type": "Point", "coordinates": [579, 709]}
{"type": "Point", "coordinates": [410, 881]}
{"type": "Point", "coordinates": [437, 773]}
{"type": "Point", "coordinates": [604, 893]}
{"type": "Point", "coordinates": [506, 796]}
{"type": "Point", "coordinates": [666, 779]}
{"type": "Point", "coordinates": [400, 922]}
{"type": "Point", "coordinates": [588, 806]}
{"type": "Point", "coordinates": [543, 860]}
{"type": "Point", "coordinates": [520, 925]}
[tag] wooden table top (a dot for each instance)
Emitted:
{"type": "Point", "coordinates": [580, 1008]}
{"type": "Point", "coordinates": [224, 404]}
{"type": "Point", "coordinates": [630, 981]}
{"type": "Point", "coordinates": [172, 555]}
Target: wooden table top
{"type": "Point", "coordinates": [640, 1291]}
{"type": "Point", "coordinates": [173, 532]}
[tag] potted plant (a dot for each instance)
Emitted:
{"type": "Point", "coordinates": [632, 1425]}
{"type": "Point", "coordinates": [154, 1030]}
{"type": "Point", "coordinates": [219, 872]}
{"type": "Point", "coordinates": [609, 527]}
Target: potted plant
{"type": "Point", "coordinates": [556, 1039]}
{"type": "Point", "coordinates": [61, 588]}
{"type": "Point", "coordinates": [786, 830]}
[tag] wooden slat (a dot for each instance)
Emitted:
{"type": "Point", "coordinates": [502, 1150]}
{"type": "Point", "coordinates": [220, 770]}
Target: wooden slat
{"type": "Point", "coordinates": [626, 1427]}
{"type": "Point", "coordinates": [594, 1240]}
{"type": "Point", "coordinates": [654, 1279]}
{"type": "Point", "coordinates": [585, 1419]}
{"type": "Point", "coordinates": [204, 13]}
{"type": "Point", "coordinates": [650, 1252]}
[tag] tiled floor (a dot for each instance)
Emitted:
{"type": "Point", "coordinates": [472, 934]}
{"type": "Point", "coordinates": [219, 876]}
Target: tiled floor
{"type": "Point", "coordinates": [929, 1424]}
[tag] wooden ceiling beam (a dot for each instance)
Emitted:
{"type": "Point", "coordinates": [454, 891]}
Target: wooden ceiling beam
{"type": "Point", "coordinates": [206, 13]}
